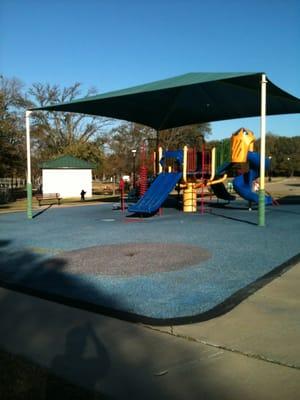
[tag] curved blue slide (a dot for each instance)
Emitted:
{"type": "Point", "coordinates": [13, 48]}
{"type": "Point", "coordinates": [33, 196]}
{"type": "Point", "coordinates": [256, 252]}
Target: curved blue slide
{"type": "Point", "coordinates": [243, 183]}
{"type": "Point", "coordinates": [157, 193]}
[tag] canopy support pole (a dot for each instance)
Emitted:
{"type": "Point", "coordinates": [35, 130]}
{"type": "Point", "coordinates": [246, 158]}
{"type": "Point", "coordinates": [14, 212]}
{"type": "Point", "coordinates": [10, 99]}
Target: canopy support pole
{"type": "Point", "coordinates": [29, 185]}
{"type": "Point", "coordinates": [157, 152]}
{"type": "Point", "coordinates": [261, 199]}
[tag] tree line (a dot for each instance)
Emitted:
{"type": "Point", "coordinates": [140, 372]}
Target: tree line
{"type": "Point", "coordinates": [104, 142]}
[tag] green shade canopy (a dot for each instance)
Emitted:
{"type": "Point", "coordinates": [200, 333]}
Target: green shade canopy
{"type": "Point", "coordinates": [186, 99]}
{"type": "Point", "coordinates": [67, 162]}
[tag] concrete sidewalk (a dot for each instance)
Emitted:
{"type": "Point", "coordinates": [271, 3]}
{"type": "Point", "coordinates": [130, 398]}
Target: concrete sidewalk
{"type": "Point", "coordinates": [250, 353]}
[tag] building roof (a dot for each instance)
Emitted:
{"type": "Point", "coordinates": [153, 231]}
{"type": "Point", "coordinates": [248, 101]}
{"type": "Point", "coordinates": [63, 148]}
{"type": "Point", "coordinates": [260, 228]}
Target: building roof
{"type": "Point", "coordinates": [67, 162]}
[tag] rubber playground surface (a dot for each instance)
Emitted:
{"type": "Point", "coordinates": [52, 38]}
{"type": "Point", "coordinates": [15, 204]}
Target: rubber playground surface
{"type": "Point", "coordinates": [173, 268]}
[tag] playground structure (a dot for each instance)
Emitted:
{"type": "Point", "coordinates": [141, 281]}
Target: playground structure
{"type": "Point", "coordinates": [242, 150]}
{"type": "Point", "coordinates": [190, 170]}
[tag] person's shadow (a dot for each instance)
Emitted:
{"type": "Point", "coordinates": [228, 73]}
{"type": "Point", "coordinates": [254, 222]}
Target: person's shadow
{"type": "Point", "coordinates": [74, 366]}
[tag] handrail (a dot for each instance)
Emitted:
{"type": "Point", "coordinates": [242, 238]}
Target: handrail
{"type": "Point", "coordinates": [209, 183]}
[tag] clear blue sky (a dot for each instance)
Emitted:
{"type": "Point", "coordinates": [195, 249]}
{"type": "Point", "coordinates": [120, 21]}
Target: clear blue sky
{"type": "Point", "coordinates": [114, 44]}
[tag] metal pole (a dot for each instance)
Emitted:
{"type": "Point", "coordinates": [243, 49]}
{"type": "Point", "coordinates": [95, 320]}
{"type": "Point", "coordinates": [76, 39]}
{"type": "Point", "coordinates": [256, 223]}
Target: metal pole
{"type": "Point", "coordinates": [202, 177]}
{"type": "Point", "coordinates": [289, 169]}
{"type": "Point", "coordinates": [184, 167]}
{"type": "Point", "coordinates": [114, 185]}
{"type": "Point", "coordinates": [29, 185]}
{"type": "Point", "coordinates": [160, 153]}
{"type": "Point", "coordinates": [134, 171]}
{"type": "Point", "coordinates": [261, 199]}
{"type": "Point", "coordinates": [133, 167]}
{"type": "Point", "coordinates": [157, 167]}
{"type": "Point", "coordinates": [270, 169]}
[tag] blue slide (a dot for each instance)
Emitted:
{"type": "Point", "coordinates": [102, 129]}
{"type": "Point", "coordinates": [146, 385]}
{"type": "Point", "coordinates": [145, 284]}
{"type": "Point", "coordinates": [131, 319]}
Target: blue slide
{"type": "Point", "coordinates": [157, 193]}
{"type": "Point", "coordinates": [243, 183]}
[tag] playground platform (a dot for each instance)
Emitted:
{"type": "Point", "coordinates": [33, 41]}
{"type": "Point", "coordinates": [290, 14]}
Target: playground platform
{"type": "Point", "coordinates": [169, 269]}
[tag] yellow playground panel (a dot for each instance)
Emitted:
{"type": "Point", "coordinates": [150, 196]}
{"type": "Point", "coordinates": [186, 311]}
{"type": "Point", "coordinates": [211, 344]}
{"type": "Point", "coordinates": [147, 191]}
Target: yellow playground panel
{"type": "Point", "coordinates": [242, 141]}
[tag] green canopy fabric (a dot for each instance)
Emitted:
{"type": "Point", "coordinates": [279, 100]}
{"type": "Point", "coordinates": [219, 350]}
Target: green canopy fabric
{"type": "Point", "coordinates": [186, 99]}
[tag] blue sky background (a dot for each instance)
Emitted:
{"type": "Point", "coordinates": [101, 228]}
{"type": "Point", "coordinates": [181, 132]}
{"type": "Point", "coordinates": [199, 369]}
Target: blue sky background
{"type": "Point", "coordinates": [114, 44]}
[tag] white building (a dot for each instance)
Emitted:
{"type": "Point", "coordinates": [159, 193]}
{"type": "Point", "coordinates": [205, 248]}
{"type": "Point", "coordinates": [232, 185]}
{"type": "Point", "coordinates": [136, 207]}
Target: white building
{"type": "Point", "coordinates": [67, 176]}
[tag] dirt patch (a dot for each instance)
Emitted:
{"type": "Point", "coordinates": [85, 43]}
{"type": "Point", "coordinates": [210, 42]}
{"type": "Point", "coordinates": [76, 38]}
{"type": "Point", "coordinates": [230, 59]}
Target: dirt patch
{"type": "Point", "coordinates": [282, 187]}
{"type": "Point", "coordinates": [132, 258]}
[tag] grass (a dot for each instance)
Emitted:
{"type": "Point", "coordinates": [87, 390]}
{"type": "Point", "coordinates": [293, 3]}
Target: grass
{"type": "Point", "coordinates": [21, 380]}
{"type": "Point", "coordinates": [21, 204]}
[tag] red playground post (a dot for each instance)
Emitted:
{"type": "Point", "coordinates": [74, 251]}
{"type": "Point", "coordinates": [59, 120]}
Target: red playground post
{"type": "Point", "coordinates": [143, 172]}
{"type": "Point", "coordinates": [122, 192]}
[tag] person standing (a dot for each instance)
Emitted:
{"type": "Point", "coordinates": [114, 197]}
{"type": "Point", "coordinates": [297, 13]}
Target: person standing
{"type": "Point", "coordinates": [82, 194]}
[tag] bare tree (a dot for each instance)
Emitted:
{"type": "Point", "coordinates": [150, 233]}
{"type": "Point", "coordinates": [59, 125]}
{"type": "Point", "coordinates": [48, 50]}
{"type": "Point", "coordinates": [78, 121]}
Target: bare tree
{"type": "Point", "coordinates": [61, 132]}
{"type": "Point", "coordinates": [191, 135]}
{"type": "Point", "coordinates": [121, 141]}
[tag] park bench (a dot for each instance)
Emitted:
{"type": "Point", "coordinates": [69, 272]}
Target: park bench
{"type": "Point", "coordinates": [48, 197]}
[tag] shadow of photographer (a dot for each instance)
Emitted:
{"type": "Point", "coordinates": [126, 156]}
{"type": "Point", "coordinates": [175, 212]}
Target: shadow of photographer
{"type": "Point", "coordinates": [77, 361]}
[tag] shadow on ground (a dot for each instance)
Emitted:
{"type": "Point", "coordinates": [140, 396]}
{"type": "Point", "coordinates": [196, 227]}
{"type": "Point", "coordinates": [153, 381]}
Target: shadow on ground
{"type": "Point", "coordinates": [42, 211]}
{"type": "Point", "coordinates": [289, 200]}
